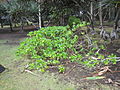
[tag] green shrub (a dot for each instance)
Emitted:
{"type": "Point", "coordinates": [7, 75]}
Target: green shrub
{"type": "Point", "coordinates": [48, 46]}
{"type": "Point", "coordinates": [51, 45]}
{"type": "Point", "coordinates": [73, 21]}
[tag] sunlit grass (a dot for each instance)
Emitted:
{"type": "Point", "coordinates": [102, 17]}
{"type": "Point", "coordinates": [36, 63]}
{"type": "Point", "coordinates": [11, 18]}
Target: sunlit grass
{"type": "Point", "coordinates": [26, 81]}
{"type": "Point", "coordinates": [14, 79]}
{"type": "Point", "coordinates": [7, 54]}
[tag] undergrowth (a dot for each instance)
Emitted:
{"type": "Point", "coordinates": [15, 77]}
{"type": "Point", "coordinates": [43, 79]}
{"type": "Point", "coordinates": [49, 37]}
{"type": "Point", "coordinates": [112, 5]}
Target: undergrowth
{"type": "Point", "coordinates": [51, 45]}
{"type": "Point", "coordinates": [48, 47]}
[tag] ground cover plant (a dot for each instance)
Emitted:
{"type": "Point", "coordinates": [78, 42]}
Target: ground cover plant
{"type": "Point", "coordinates": [50, 46]}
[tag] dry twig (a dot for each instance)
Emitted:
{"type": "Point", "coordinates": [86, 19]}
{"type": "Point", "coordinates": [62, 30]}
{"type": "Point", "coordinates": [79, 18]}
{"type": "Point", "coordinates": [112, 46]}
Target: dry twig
{"type": "Point", "coordinates": [70, 70]}
{"type": "Point", "coordinates": [32, 73]}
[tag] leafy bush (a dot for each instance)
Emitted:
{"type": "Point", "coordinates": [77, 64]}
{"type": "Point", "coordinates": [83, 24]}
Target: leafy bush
{"type": "Point", "coordinates": [51, 45]}
{"type": "Point", "coordinates": [48, 46]}
{"type": "Point", "coordinates": [73, 21]}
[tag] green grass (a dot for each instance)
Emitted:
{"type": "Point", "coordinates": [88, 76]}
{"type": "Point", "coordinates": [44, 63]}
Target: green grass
{"type": "Point", "coordinates": [14, 79]}
{"type": "Point", "coordinates": [26, 81]}
{"type": "Point", "coordinates": [7, 54]}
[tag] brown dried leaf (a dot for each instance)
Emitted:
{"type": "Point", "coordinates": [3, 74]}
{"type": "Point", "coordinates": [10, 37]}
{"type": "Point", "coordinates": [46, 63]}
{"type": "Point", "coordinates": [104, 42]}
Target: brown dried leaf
{"type": "Point", "coordinates": [104, 70]}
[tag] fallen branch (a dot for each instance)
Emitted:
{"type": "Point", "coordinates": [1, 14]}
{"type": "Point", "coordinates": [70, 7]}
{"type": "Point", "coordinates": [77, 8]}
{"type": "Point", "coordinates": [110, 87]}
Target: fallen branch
{"type": "Point", "coordinates": [106, 58]}
{"type": "Point", "coordinates": [32, 73]}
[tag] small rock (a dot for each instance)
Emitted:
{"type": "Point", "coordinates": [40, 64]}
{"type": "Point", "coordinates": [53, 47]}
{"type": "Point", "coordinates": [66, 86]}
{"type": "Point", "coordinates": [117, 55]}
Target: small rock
{"type": "Point", "coordinates": [2, 68]}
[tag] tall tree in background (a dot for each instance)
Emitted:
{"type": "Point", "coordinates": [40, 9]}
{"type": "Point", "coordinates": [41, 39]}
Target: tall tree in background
{"type": "Point", "coordinates": [58, 11]}
{"type": "Point", "coordinates": [19, 10]}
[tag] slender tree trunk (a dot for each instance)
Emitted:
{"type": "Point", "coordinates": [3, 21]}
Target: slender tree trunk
{"type": "Point", "coordinates": [40, 22]}
{"type": "Point", "coordinates": [100, 14]}
{"type": "Point", "coordinates": [92, 18]}
{"type": "Point", "coordinates": [10, 22]}
{"type": "Point", "coordinates": [109, 14]}
{"type": "Point", "coordinates": [1, 21]}
{"type": "Point", "coordinates": [22, 25]}
{"type": "Point", "coordinates": [39, 17]}
{"type": "Point", "coordinates": [116, 19]}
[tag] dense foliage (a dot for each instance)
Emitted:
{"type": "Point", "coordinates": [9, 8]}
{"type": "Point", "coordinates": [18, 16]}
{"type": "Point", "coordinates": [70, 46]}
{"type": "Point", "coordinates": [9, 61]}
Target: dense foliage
{"type": "Point", "coordinates": [50, 46]}
{"type": "Point", "coordinates": [73, 21]}
{"type": "Point", "coordinates": [57, 12]}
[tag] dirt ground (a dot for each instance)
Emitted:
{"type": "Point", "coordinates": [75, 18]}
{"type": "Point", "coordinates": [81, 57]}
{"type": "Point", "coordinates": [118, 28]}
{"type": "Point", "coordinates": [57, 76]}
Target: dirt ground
{"type": "Point", "coordinates": [75, 73]}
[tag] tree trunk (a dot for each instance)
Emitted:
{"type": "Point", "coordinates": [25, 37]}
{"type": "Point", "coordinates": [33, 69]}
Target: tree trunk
{"type": "Point", "coordinates": [92, 18]}
{"type": "Point", "coordinates": [109, 17]}
{"type": "Point", "coordinates": [22, 26]}
{"type": "Point", "coordinates": [1, 21]}
{"type": "Point", "coordinates": [39, 17]}
{"type": "Point", "coordinates": [116, 19]}
{"type": "Point", "coordinates": [100, 14]}
{"type": "Point", "coordinates": [10, 22]}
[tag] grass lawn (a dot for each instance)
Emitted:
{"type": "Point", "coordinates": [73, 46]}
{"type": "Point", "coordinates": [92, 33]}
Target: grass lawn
{"type": "Point", "coordinates": [14, 79]}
